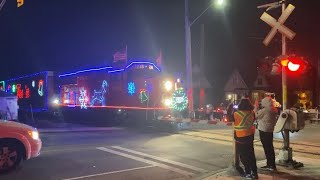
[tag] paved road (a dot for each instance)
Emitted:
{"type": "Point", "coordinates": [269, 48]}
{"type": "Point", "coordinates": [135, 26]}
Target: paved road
{"type": "Point", "coordinates": [124, 154]}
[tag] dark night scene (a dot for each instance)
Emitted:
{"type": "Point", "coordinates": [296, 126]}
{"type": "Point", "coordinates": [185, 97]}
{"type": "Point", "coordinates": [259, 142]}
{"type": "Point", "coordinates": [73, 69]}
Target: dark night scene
{"type": "Point", "coordinates": [159, 89]}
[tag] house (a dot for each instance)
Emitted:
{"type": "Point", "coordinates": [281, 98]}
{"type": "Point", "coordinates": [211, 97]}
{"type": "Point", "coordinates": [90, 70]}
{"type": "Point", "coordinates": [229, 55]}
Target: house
{"type": "Point", "coordinates": [235, 87]}
{"type": "Point", "coordinates": [260, 87]}
{"type": "Point", "coordinates": [300, 89]}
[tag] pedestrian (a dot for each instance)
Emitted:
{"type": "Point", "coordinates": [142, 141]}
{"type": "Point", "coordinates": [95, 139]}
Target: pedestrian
{"type": "Point", "coordinates": [244, 130]}
{"type": "Point", "coordinates": [230, 111]}
{"type": "Point", "coordinates": [267, 118]}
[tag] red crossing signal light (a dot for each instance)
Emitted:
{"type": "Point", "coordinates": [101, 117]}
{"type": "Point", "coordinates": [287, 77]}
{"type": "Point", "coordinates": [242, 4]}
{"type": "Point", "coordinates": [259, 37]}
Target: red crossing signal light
{"type": "Point", "coordinates": [294, 64]}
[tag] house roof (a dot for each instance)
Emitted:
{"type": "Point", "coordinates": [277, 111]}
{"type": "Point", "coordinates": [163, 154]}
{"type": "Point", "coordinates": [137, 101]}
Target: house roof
{"type": "Point", "coordinates": [199, 80]}
{"type": "Point", "coordinates": [260, 82]}
{"type": "Point", "coordinates": [235, 82]}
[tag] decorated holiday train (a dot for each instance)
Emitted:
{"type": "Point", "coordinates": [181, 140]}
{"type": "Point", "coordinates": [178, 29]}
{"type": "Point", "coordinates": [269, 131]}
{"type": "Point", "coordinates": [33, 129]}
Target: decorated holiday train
{"type": "Point", "coordinates": [138, 85]}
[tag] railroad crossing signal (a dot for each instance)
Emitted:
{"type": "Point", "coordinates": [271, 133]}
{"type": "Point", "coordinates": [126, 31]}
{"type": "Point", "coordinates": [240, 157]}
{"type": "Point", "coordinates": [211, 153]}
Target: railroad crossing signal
{"type": "Point", "coordinates": [278, 25]}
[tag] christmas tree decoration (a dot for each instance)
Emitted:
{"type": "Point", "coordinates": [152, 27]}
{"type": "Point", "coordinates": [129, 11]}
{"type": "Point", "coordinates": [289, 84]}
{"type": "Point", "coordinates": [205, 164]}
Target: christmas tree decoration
{"type": "Point", "coordinates": [143, 96]}
{"type": "Point", "coordinates": [33, 83]}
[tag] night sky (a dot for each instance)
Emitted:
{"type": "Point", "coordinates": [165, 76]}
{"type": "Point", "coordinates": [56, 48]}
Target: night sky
{"type": "Point", "coordinates": [64, 35]}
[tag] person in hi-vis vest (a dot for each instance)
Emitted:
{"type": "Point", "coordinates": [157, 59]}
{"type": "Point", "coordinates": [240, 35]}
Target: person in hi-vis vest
{"type": "Point", "coordinates": [244, 130]}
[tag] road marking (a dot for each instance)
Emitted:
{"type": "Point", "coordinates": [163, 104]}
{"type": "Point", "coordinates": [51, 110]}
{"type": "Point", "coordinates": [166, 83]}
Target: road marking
{"type": "Point", "coordinates": [107, 173]}
{"type": "Point", "coordinates": [161, 159]}
{"type": "Point", "coordinates": [164, 166]}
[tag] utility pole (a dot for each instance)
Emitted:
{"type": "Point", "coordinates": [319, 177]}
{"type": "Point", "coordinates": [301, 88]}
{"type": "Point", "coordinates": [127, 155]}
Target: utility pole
{"type": "Point", "coordinates": [202, 93]}
{"type": "Point", "coordinates": [317, 83]}
{"type": "Point", "coordinates": [187, 25]}
{"type": "Point", "coordinates": [284, 72]}
{"type": "Point", "coordinates": [286, 134]}
{"type": "Point", "coordinates": [189, 80]}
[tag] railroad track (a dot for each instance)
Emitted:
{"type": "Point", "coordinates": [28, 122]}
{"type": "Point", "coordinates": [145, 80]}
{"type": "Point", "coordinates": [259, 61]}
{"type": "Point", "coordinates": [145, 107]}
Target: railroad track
{"type": "Point", "coordinates": [312, 149]}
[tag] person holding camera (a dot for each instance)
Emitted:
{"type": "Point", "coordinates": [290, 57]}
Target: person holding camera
{"type": "Point", "coordinates": [266, 116]}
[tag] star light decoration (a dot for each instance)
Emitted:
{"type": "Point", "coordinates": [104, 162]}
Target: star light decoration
{"type": "Point", "coordinates": [131, 88]}
{"type": "Point", "coordinates": [179, 100]}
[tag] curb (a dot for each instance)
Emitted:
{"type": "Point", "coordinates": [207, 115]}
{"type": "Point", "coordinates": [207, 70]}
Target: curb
{"type": "Point", "coordinates": [296, 173]}
{"type": "Point", "coordinates": [212, 173]}
{"type": "Point", "coordinates": [86, 129]}
{"type": "Point", "coordinates": [223, 171]}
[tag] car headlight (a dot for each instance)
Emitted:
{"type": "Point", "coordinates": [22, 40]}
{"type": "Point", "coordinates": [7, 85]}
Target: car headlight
{"type": "Point", "coordinates": [34, 134]}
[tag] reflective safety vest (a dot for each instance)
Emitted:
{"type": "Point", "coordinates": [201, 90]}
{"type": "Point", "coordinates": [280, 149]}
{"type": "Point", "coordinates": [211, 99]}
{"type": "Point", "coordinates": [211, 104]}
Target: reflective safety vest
{"type": "Point", "coordinates": [243, 123]}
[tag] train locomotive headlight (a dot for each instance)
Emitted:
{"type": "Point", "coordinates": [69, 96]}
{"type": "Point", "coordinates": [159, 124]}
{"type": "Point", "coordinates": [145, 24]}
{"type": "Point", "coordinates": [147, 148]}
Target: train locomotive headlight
{"type": "Point", "coordinates": [167, 102]}
{"type": "Point", "coordinates": [168, 85]}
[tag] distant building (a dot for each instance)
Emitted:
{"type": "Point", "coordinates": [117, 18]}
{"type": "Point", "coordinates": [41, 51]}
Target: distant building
{"type": "Point", "coordinates": [235, 87]}
{"type": "Point", "coordinates": [300, 88]}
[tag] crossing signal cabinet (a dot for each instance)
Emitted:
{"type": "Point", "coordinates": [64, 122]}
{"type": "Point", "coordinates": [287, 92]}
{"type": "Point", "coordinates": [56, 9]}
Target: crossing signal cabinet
{"type": "Point", "coordinates": [292, 120]}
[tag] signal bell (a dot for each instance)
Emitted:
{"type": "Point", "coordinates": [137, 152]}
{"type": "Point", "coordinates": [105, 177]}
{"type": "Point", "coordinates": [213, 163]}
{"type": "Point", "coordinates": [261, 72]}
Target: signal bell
{"type": "Point", "coordinates": [276, 69]}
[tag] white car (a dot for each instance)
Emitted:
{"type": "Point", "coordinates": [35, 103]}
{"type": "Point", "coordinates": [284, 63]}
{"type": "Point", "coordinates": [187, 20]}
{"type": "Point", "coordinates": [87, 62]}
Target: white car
{"type": "Point", "coordinates": [17, 142]}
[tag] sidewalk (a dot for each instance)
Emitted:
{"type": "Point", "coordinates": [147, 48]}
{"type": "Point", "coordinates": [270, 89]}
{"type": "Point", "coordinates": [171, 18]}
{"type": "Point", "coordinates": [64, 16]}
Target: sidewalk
{"type": "Point", "coordinates": [310, 171]}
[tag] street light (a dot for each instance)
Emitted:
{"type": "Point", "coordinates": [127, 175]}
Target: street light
{"type": "Point", "coordinates": [188, 24]}
{"type": "Point", "coordinates": [220, 3]}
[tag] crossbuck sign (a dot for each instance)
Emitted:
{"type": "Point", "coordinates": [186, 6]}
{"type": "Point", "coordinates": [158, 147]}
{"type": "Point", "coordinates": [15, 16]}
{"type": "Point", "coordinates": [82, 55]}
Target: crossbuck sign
{"type": "Point", "coordinates": [278, 25]}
